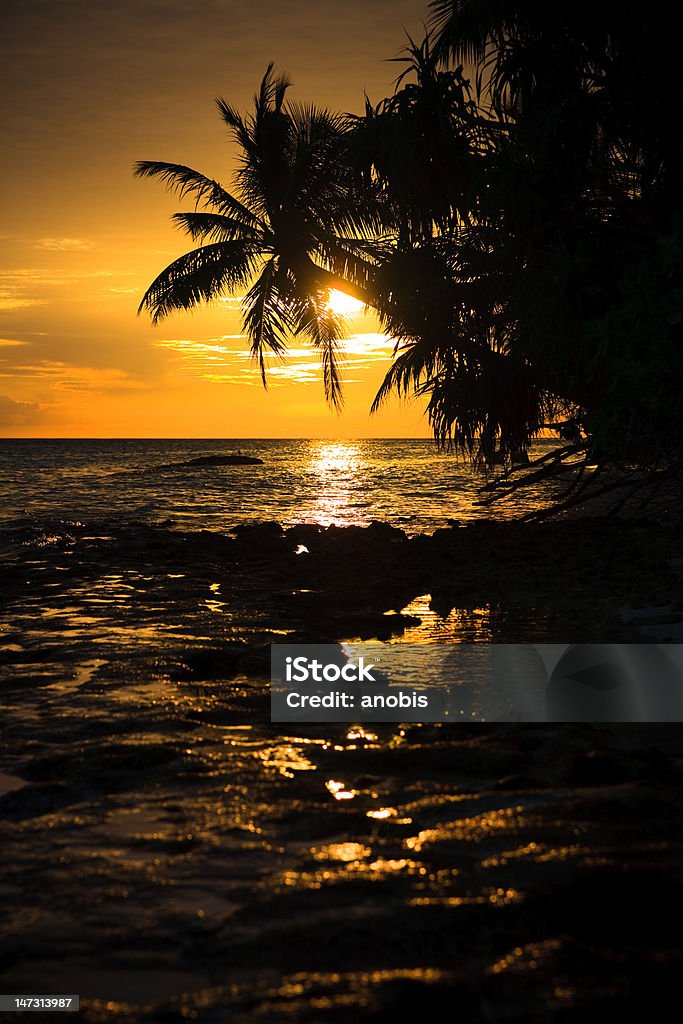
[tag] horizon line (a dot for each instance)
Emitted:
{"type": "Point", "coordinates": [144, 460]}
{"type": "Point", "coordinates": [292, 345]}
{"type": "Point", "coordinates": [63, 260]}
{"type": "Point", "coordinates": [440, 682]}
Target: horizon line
{"type": "Point", "coordinates": [307, 437]}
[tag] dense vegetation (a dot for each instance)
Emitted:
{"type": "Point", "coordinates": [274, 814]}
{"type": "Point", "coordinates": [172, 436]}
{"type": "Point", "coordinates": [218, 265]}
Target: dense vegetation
{"type": "Point", "coordinates": [513, 212]}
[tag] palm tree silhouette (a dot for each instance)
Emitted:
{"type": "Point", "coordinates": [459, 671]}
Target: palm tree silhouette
{"type": "Point", "coordinates": [431, 147]}
{"type": "Point", "coordinates": [295, 226]}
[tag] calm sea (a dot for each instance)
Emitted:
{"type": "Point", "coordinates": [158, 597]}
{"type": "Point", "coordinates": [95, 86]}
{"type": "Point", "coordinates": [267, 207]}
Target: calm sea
{"type": "Point", "coordinates": [407, 483]}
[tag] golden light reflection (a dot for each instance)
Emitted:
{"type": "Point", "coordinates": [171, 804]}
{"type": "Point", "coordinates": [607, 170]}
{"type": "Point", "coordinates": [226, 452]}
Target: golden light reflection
{"type": "Point", "coordinates": [346, 870]}
{"type": "Point", "coordinates": [336, 472]}
{"type": "Point", "coordinates": [471, 829]}
{"type": "Point", "coordinates": [335, 457]}
{"type": "Point", "coordinates": [339, 790]}
{"type": "Point", "coordinates": [357, 732]}
{"type": "Point", "coordinates": [497, 897]}
{"type": "Point", "coordinates": [525, 958]}
{"type": "Point", "coordinates": [341, 851]}
{"type": "Point", "coordinates": [471, 625]}
{"type": "Point", "coordinates": [287, 759]}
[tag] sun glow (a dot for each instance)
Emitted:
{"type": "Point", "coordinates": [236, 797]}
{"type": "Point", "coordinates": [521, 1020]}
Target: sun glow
{"type": "Point", "coordinates": [343, 304]}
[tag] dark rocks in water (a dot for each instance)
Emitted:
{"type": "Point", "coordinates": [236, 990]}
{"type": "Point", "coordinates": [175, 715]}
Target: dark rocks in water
{"type": "Point", "coordinates": [304, 533]}
{"type": "Point", "coordinates": [213, 460]}
{"type": "Point", "coordinates": [322, 621]}
{"type": "Point", "coordinates": [259, 532]}
{"type": "Point", "coordinates": [347, 541]}
{"type": "Point", "coordinates": [223, 460]}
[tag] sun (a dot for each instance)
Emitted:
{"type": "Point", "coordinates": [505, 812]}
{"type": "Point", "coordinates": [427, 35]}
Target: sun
{"type": "Point", "coordinates": [343, 304]}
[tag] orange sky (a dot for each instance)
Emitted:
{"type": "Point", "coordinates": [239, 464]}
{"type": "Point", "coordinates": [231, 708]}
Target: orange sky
{"type": "Point", "coordinates": [90, 87]}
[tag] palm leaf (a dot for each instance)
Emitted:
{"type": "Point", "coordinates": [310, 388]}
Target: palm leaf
{"type": "Point", "coordinates": [215, 226]}
{"type": "Point", "coordinates": [183, 180]}
{"type": "Point", "coordinates": [325, 330]}
{"type": "Point", "coordinates": [200, 275]}
{"type": "Point", "coordinates": [267, 319]}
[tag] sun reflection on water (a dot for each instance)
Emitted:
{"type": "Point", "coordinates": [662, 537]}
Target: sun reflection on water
{"type": "Point", "coordinates": [339, 790]}
{"type": "Point", "coordinates": [336, 473]}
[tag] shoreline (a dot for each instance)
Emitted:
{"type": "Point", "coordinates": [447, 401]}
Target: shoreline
{"type": "Point", "coordinates": [571, 580]}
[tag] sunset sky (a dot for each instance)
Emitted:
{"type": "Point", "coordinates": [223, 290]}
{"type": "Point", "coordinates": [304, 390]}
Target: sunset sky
{"type": "Point", "coordinates": [89, 87]}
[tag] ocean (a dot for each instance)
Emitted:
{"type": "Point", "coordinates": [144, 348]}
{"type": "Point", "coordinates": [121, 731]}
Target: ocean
{"type": "Point", "coordinates": [407, 483]}
{"type": "Point", "coordinates": [113, 552]}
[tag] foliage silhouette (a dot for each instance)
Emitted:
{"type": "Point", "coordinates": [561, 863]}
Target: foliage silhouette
{"type": "Point", "coordinates": [294, 227]}
{"type": "Point", "coordinates": [517, 226]}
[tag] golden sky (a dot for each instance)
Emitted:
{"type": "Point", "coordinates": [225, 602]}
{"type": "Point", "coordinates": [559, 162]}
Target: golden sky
{"type": "Point", "coordinates": [91, 86]}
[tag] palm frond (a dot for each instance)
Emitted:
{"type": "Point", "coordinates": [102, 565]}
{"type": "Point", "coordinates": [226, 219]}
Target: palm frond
{"type": "Point", "coordinates": [200, 275]}
{"type": "Point", "coordinates": [240, 129]}
{"type": "Point", "coordinates": [215, 226]}
{"type": "Point", "coordinates": [272, 91]}
{"type": "Point", "coordinates": [267, 319]}
{"type": "Point", "coordinates": [353, 261]}
{"type": "Point", "coordinates": [325, 329]}
{"type": "Point", "coordinates": [463, 29]}
{"type": "Point", "coordinates": [184, 180]}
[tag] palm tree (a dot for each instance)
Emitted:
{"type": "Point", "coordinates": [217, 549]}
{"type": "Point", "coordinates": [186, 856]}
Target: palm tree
{"type": "Point", "coordinates": [581, 216]}
{"type": "Point", "coordinates": [430, 148]}
{"type": "Point", "coordinates": [294, 227]}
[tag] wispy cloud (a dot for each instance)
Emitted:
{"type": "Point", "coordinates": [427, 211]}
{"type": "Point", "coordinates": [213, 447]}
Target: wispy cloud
{"type": "Point", "coordinates": [60, 376]}
{"type": "Point", "coordinates": [18, 414]}
{"type": "Point", "coordinates": [65, 244]}
{"type": "Point", "coordinates": [23, 276]}
{"type": "Point", "coordinates": [371, 345]}
{"type": "Point", "coordinates": [202, 359]}
{"type": "Point", "coordinates": [23, 287]}
{"type": "Point", "coordinates": [10, 299]}
{"type": "Point", "coordinates": [11, 343]}
{"type": "Point", "coordinates": [227, 359]}
{"type": "Point", "coordinates": [189, 347]}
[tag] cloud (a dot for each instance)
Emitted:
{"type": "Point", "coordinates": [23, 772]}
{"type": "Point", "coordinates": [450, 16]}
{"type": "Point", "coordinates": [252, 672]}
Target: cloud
{"type": "Point", "coordinates": [22, 288]}
{"type": "Point", "coordinates": [32, 276]}
{"type": "Point", "coordinates": [59, 376]}
{"type": "Point", "coordinates": [227, 359]}
{"type": "Point", "coordinates": [18, 414]}
{"type": "Point", "coordinates": [65, 244]}
{"type": "Point", "coordinates": [11, 343]}
{"type": "Point", "coordinates": [10, 301]}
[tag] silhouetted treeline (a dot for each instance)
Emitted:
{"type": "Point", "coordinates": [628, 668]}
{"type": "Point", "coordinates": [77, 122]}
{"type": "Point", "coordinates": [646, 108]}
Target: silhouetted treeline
{"type": "Point", "coordinates": [512, 211]}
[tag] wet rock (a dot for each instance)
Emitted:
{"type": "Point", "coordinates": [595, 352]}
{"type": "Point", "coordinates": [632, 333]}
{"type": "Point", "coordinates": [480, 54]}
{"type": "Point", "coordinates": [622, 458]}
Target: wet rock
{"type": "Point", "coordinates": [217, 460]}
{"type": "Point", "coordinates": [268, 528]}
{"type": "Point", "coordinates": [304, 533]}
{"type": "Point", "coordinates": [379, 529]}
